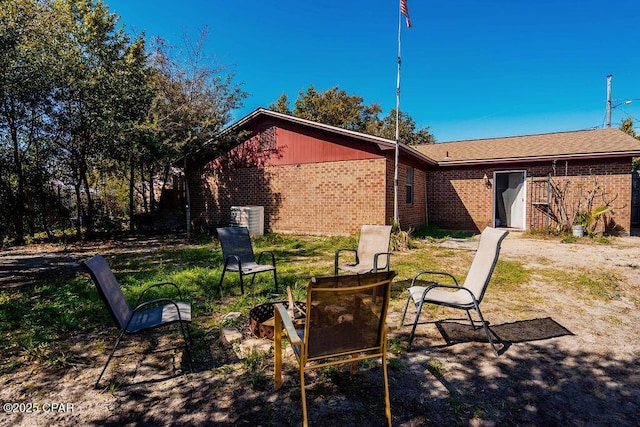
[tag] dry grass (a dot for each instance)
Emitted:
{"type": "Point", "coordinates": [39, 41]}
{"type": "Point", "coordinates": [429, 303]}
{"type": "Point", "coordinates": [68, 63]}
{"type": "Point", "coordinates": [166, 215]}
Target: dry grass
{"type": "Point", "coordinates": [570, 357]}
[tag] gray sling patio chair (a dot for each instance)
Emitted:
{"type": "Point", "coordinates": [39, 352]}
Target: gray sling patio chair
{"type": "Point", "coordinates": [466, 297]}
{"type": "Point", "coordinates": [372, 254]}
{"type": "Point", "coordinates": [145, 315]}
{"type": "Point", "coordinates": [237, 251]}
{"type": "Point", "coordinates": [345, 322]}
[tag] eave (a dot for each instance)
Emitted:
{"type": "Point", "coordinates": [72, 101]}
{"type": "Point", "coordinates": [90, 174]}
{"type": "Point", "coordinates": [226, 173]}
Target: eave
{"type": "Point", "coordinates": [529, 159]}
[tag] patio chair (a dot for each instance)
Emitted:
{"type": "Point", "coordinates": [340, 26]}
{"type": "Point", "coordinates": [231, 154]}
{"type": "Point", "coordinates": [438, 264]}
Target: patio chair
{"type": "Point", "coordinates": [372, 253]}
{"type": "Point", "coordinates": [237, 251]}
{"type": "Point", "coordinates": [145, 315]}
{"type": "Point", "coordinates": [466, 297]}
{"type": "Point", "coordinates": [345, 322]}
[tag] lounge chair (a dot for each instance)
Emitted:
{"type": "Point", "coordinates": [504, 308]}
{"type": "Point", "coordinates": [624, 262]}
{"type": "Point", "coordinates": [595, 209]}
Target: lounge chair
{"type": "Point", "coordinates": [237, 251]}
{"type": "Point", "coordinates": [146, 315]}
{"type": "Point", "coordinates": [345, 322]}
{"type": "Point", "coordinates": [466, 297]}
{"type": "Point", "coordinates": [372, 254]}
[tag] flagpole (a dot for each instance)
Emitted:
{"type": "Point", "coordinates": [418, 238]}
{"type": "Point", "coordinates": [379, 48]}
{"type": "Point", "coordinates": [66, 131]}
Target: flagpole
{"type": "Point", "coordinates": [396, 219]}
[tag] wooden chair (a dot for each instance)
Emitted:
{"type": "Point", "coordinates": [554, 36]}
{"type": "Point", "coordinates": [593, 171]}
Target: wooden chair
{"type": "Point", "coordinates": [345, 322]}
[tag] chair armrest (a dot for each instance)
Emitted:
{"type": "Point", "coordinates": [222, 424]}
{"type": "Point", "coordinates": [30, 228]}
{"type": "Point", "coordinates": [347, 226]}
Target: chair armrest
{"type": "Point", "coordinates": [375, 260]}
{"type": "Point", "coordinates": [273, 257]}
{"type": "Point", "coordinates": [280, 311]}
{"type": "Point", "coordinates": [436, 273]}
{"type": "Point", "coordinates": [337, 258]}
{"type": "Point", "coordinates": [158, 285]}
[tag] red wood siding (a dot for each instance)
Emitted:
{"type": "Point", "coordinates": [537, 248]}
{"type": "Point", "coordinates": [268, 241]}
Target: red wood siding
{"type": "Point", "coordinates": [300, 149]}
{"type": "Point", "coordinates": [300, 145]}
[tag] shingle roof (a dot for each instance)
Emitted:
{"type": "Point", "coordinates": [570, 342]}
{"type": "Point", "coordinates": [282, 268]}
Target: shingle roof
{"type": "Point", "coordinates": [608, 142]}
{"type": "Point", "coordinates": [586, 144]}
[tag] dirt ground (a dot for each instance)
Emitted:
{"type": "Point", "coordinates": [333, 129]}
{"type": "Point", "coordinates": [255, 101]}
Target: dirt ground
{"type": "Point", "coordinates": [569, 359]}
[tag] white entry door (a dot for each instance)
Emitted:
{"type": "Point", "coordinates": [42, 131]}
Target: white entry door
{"type": "Point", "coordinates": [509, 198]}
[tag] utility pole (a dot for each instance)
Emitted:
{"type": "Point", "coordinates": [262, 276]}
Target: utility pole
{"type": "Point", "coordinates": [609, 100]}
{"type": "Point", "coordinates": [611, 104]}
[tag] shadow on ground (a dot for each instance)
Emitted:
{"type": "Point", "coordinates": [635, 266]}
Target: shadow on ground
{"type": "Point", "coordinates": [536, 382]}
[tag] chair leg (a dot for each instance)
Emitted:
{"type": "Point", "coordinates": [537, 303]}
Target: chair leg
{"type": "Point", "coordinates": [221, 279]}
{"type": "Point", "coordinates": [473, 325]}
{"type": "Point", "coordinates": [385, 378]}
{"type": "Point", "coordinates": [189, 334]}
{"type": "Point", "coordinates": [303, 398]}
{"type": "Point", "coordinates": [242, 284]}
{"type": "Point", "coordinates": [487, 331]}
{"type": "Point", "coordinates": [109, 358]}
{"type": "Point", "coordinates": [404, 313]}
{"type": "Point", "coordinates": [186, 343]}
{"type": "Point", "coordinates": [275, 279]}
{"type": "Point", "coordinates": [277, 351]}
{"type": "Point", "coordinates": [415, 324]}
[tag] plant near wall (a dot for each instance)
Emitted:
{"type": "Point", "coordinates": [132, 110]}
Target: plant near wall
{"type": "Point", "coordinates": [573, 205]}
{"type": "Point", "coordinates": [590, 219]}
{"type": "Point", "coordinates": [400, 240]}
{"type": "Point", "coordinates": [559, 190]}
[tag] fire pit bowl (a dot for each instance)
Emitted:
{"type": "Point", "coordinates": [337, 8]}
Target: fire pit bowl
{"type": "Point", "coordinates": [261, 317]}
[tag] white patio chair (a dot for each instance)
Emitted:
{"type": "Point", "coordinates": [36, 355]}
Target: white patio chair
{"type": "Point", "coordinates": [466, 297]}
{"type": "Point", "coordinates": [372, 254]}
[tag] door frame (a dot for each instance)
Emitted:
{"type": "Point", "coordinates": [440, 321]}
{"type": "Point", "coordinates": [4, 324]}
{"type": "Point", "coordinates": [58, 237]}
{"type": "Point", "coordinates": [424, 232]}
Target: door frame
{"type": "Point", "coordinates": [523, 194]}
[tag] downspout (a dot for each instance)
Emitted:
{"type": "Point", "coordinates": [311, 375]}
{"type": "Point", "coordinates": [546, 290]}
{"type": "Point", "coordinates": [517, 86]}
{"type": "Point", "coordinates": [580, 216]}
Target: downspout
{"type": "Point", "coordinates": [187, 199]}
{"type": "Point", "coordinates": [426, 200]}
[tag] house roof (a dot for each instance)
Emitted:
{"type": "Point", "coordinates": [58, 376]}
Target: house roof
{"type": "Point", "coordinates": [586, 144]}
{"type": "Point", "coordinates": [382, 143]}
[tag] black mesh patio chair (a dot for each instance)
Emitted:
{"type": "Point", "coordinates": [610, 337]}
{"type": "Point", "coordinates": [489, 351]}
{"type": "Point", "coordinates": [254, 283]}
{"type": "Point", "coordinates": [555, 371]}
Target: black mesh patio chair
{"type": "Point", "coordinates": [466, 297]}
{"type": "Point", "coordinates": [345, 322]}
{"type": "Point", "coordinates": [237, 251]}
{"type": "Point", "coordinates": [145, 315]}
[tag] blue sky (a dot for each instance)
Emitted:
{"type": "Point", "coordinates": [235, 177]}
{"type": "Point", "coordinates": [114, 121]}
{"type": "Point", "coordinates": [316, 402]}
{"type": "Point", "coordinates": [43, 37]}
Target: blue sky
{"type": "Point", "coordinates": [470, 69]}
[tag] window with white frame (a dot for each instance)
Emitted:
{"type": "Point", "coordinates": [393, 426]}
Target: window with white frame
{"type": "Point", "coordinates": [409, 185]}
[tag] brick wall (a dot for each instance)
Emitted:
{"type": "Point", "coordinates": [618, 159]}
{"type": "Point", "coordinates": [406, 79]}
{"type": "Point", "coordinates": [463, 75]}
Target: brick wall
{"type": "Point", "coordinates": [413, 214]}
{"type": "Point", "coordinates": [329, 198]}
{"type": "Point", "coordinates": [612, 178]}
{"type": "Point", "coordinates": [459, 199]}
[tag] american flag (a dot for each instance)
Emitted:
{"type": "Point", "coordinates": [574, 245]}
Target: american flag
{"type": "Point", "coordinates": [405, 11]}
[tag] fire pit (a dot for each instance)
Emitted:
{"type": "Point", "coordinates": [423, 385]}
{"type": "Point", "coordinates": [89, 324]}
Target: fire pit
{"type": "Point", "coordinates": [261, 317]}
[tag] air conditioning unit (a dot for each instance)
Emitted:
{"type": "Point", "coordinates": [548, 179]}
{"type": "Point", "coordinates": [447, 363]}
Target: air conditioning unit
{"type": "Point", "coordinates": [251, 217]}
